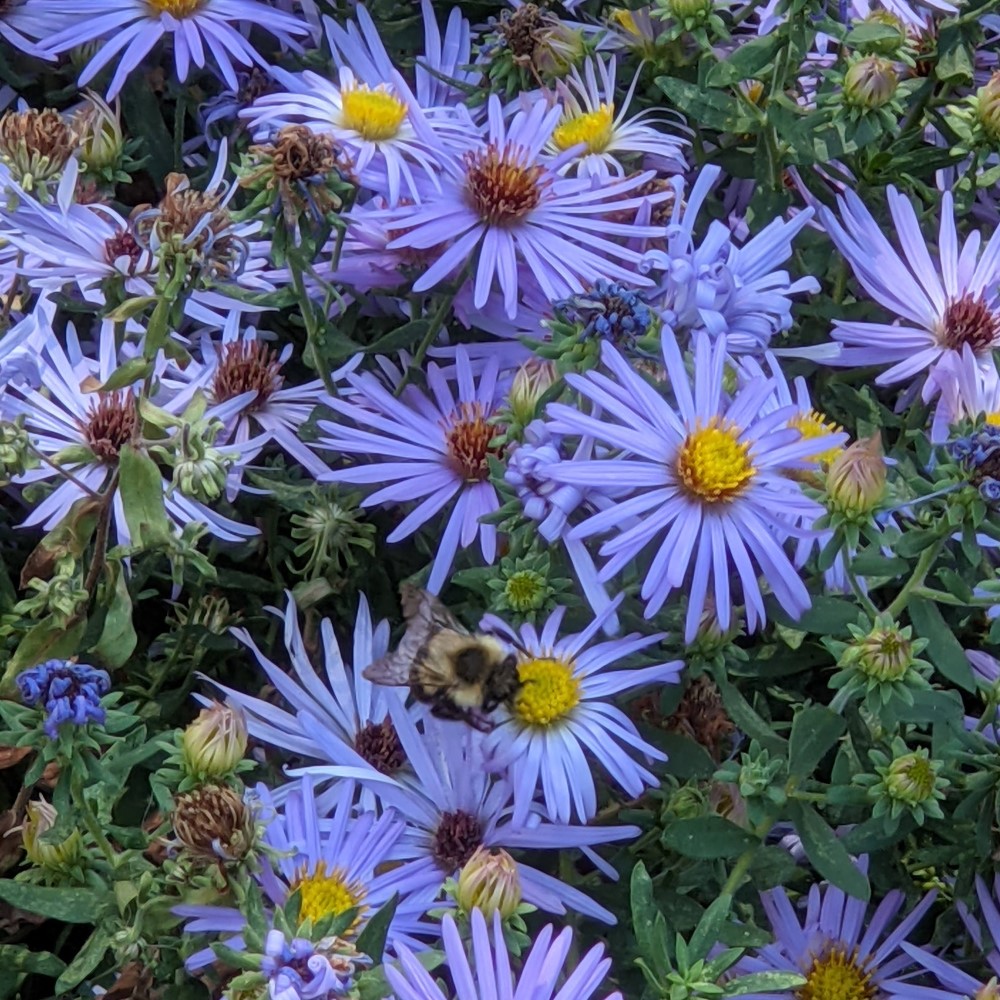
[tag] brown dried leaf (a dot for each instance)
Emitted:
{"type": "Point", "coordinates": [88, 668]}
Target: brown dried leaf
{"type": "Point", "coordinates": [9, 756]}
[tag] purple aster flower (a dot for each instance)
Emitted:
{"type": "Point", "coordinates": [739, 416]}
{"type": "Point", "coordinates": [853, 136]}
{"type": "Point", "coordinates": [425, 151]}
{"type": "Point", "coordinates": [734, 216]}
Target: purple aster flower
{"type": "Point", "coordinates": [550, 503]}
{"type": "Point", "coordinates": [502, 203]}
{"type": "Point", "coordinates": [709, 477]}
{"type": "Point", "coordinates": [456, 804]}
{"type": "Point", "coordinates": [986, 671]}
{"type": "Point", "coordinates": [433, 449]}
{"type": "Point", "coordinates": [334, 856]}
{"type": "Point", "coordinates": [87, 430]}
{"type": "Point", "coordinates": [68, 693]}
{"type": "Point", "coordinates": [302, 970]}
{"type": "Point", "coordinates": [244, 367]}
{"type": "Point", "coordinates": [596, 124]}
{"type": "Point", "coordinates": [489, 974]}
{"type": "Point", "coordinates": [564, 710]}
{"type": "Point", "coordinates": [943, 306]}
{"type": "Point", "coordinates": [204, 32]}
{"type": "Point", "coordinates": [718, 286]}
{"type": "Point", "coordinates": [378, 127]}
{"type": "Point", "coordinates": [24, 23]}
{"type": "Point", "coordinates": [955, 983]}
{"type": "Point", "coordinates": [965, 387]}
{"type": "Point", "coordinates": [338, 717]}
{"type": "Point", "coordinates": [835, 943]}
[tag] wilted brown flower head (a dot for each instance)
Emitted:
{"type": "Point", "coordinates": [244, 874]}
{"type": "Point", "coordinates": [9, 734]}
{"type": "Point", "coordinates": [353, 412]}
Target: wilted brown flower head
{"type": "Point", "coordinates": [212, 823]}
{"type": "Point", "coordinates": [702, 716]}
{"type": "Point", "coordinates": [36, 145]}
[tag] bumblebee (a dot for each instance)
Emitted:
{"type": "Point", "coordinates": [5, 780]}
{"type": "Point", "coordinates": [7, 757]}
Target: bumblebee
{"type": "Point", "coordinates": [460, 674]}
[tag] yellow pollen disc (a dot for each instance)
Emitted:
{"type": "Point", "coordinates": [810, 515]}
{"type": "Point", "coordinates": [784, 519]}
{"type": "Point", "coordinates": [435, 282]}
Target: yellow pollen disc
{"type": "Point", "coordinates": [993, 418]}
{"type": "Point", "coordinates": [815, 425]}
{"type": "Point", "coordinates": [326, 894]}
{"type": "Point", "coordinates": [714, 464]}
{"type": "Point", "coordinates": [549, 691]}
{"type": "Point", "coordinates": [837, 976]}
{"type": "Point", "coordinates": [595, 128]}
{"type": "Point", "coordinates": [178, 8]}
{"type": "Point", "coordinates": [624, 19]}
{"type": "Point", "coordinates": [374, 114]}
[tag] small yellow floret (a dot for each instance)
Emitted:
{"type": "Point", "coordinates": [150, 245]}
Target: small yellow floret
{"type": "Point", "coordinates": [374, 114]}
{"type": "Point", "coordinates": [178, 8]}
{"type": "Point", "coordinates": [714, 464]}
{"type": "Point", "coordinates": [326, 894]}
{"type": "Point", "coordinates": [837, 976]}
{"type": "Point", "coordinates": [594, 128]}
{"type": "Point", "coordinates": [814, 425]}
{"type": "Point", "coordinates": [549, 691]}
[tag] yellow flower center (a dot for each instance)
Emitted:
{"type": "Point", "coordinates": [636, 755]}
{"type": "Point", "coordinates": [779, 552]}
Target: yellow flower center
{"type": "Point", "coordinates": [374, 114]}
{"type": "Point", "coordinates": [594, 128]}
{"type": "Point", "coordinates": [714, 464]}
{"type": "Point", "coordinates": [549, 691]}
{"type": "Point", "coordinates": [624, 19]}
{"type": "Point", "coordinates": [837, 976]}
{"type": "Point", "coordinates": [993, 418]}
{"type": "Point", "coordinates": [814, 425]}
{"type": "Point", "coordinates": [326, 894]}
{"type": "Point", "coordinates": [178, 8]}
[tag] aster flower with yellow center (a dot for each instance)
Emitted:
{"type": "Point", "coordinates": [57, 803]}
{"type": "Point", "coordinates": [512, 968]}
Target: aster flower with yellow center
{"type": "Point", "coordinates": [601, 130]}
{"type": "Point", "coordinates": [457, 800]}
{"type": "Point", "coordinates": [204, 33]}
{"type": "Point", "coordinates": [711, 489]}
{"type": "Point", "coordinates": [333, 856]}
{"type": "Point", "coordinates": [378, 126]}
{"type": "Point", "coordinates": [504, 209]}
{"type": "Point", "coordinates": [957, 981]}
{"type": "Point", "coordinates": [564, 714]}
{"type": "Point", "coordinates": [843, 952]}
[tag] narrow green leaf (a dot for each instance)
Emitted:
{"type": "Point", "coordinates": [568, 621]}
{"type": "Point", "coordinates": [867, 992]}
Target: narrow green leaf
{"type": "Point", "coordinates": [371, 941]}
{"type": "Point", "coordinates": [127, 374]}
{"type": "Point", "coordinates": [87, 959]}
{"type": "Point", "coordinates": [16, 957]}
{"type": "Point", "coordinates": [826, 853]}
{"type": "Point", "coordinates": [118, 639]}
{"type": "Point", "coordinates": [141, 488]}
{"type": "Point", "coordinates": [644, 912]}
{"type": "Point", "coordinates": [72, 906]}
{"type": "Point", "coordinates": [764, 982]}
{"type": "Point", "coordinates": [943, 649]}
{"type": "Point", "coordinates": [708, 837]}
{"type": "Point", "coordinates": [706, 934]}
{"type": "Point", "coordinates": [49, 639]}
{"type": "Point", "coordinates": [815, 730]}
{"type": "Point", "coordinates": [746, 62]}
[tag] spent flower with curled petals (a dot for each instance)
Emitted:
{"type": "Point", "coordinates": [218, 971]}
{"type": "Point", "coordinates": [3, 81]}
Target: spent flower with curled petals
{"type": "Point", "coordinates": [35, 147]}
{"type": "Point", "coordinates": [213, 823]}
{"type": "Point", "coordinates": [67, 693]}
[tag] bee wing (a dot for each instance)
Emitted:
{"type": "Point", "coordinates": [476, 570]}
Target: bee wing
{"type": "Point", "coordinates": [426, 612]}
{"type": "Point", "coordinates": [392, 670]}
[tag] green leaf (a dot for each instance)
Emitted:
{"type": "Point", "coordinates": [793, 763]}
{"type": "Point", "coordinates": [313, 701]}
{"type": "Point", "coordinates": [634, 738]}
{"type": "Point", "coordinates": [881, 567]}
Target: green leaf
{"type": "Point", "coordinates": [141, 488]}
{"type": "Point", "coordinates": [708, 837]}
{"type": "Point", "coordinates": [87, 959]}
{"type": "Point", "coordinates": [815, 730]}
{"type": "Point", "coordinates": [644, 913]}
{"type": "Point", "coordinates": [746, 62]}
{"type": "Point", "coordinates": [118, 639]}
{"type": "Point", "coordinates": [143, 114]}
{"type": "Point", "coordinates": [127, 374]}
{"type": "Point", "coordinates": [943, 649]}
{"type": "Point", "coordinates": [371, 941]}
{"type": "Point", "coordinates": [71, 905]}
{"type": "Point", "coordinates": [47, 640]}
{"type": "Point", "coordinates": [872, 35]}
{"type": "Point", "coordinates": [686, 759]}
{"type": "Point", "coordinates": [826, 853]}
{"type": "Point", "coordinates": [709, 108]}
{"type": "Point", "coordinates": [827, 616]}
{"type": "Point", "coordinates": [710, 926]}
{"type": "Point", "coordinates": [871, 562]}
{"type": "Point", "coordinates": [129, 308]}
{"type": "Point", "coordinates": [406, 336]}
{"type": "Point", "coordinates": [955, 61]}
{"type": "Point", "coordinates": [743, 714]}
{"type": "Point", "coordinates": [14, 957]}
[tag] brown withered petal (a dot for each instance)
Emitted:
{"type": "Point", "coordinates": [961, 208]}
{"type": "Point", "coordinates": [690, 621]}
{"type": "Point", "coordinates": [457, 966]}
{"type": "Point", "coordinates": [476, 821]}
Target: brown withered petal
{"type": "Point", "coordinates": [702, 716]}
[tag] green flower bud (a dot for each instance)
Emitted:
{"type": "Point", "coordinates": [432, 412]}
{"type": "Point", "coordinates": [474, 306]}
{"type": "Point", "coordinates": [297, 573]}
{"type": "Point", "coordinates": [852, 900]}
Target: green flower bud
{"type": "Point", "coordinates": [531, 382]}
{"type": "Point", "coordinates": [526, 590]}
{"type": "Point", "coordinates": [15, 453]}
{"type": "Point", "coordinates": [908, 782]}
{"type": "Point", "coordinates": [690, 10]}
{"type": "Point", "coordinates": [856, 479]}
{"type": "Point", "coordinates": [102, 142]}
{"type": "Point", "coordinates": [215, 742]}
{"type": "Point", "coordinates": [202, 478]}
{"type": "Point", "coordinates": [40, 817]}
{"type": "Point", "coordinates": [328, 532]}
{"type": "Point", "coordinates": [870, 82]}
{"type": "Point", "coordinates": [887, 46]}
{"type": "Point", "coordinates": [489, 882]}
{"type": "Point", "coordinates": [988, 107]}
{"type": "Point", "coordinates": [60, 596]}
{"type": "Point", "coordinates": [910, 778]}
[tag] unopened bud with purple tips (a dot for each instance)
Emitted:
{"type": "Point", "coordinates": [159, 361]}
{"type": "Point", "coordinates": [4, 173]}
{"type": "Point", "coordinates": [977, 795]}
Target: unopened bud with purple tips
{"type": "Point", "coordinates": [67, 692]}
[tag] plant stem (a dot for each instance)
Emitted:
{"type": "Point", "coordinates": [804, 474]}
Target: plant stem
{"type": "Point", "coordinates": [920, 571]}
{"type": "Point", "coordinates": [433, 329]}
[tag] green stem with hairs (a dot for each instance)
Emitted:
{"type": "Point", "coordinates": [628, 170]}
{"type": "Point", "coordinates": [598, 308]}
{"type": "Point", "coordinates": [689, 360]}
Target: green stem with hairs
{"type": "Point", "coordinates": [920, 571]}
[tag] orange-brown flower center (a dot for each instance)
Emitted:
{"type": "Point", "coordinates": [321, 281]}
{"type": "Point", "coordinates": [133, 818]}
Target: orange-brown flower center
{"type": "Point", "coordinates": [111, 423]}
{"type": "Point", "coordinates": [247, 366]}
{"type": "Point", "coordinates": [969, 320]}
{"type": "Point", "coordinates": [468, 438]}
{"type": "Point", "coordinates": [502, 190]}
